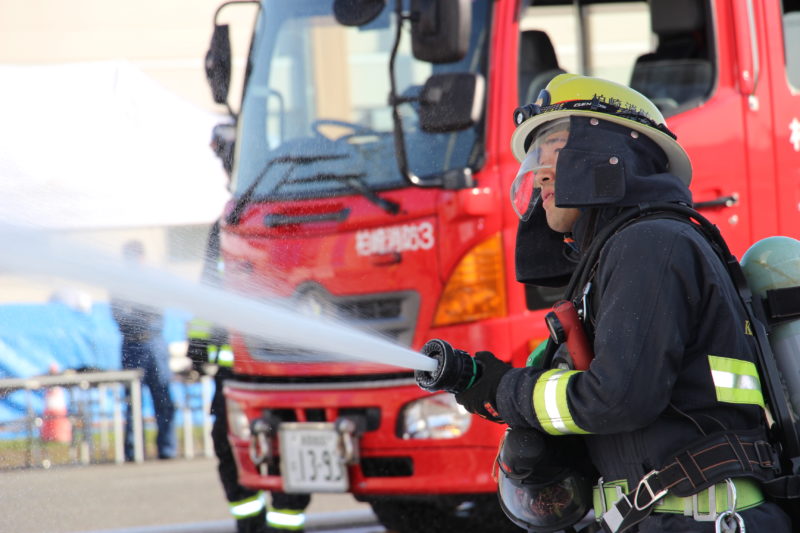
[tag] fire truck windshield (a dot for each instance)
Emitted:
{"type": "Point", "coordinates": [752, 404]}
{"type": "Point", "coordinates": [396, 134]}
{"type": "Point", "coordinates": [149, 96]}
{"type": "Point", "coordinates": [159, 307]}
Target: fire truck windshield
{"type": "Point", "coordinates": [316, 89]}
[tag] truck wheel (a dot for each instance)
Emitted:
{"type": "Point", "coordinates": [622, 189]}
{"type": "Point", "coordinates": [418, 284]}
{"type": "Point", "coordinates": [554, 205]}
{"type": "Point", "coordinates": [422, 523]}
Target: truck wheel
{"type": "Point", "coordinates": [443, 515]}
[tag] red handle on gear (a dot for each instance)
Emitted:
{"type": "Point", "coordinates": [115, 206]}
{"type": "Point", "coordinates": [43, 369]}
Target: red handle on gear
{"type": "Point", "coordinates": [573, 334]}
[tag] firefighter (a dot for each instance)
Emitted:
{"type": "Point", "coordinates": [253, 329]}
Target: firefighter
{"type": "Point", "coordinates": [209, 348]}
{"type": "Point", "coordinates": [673, 374]}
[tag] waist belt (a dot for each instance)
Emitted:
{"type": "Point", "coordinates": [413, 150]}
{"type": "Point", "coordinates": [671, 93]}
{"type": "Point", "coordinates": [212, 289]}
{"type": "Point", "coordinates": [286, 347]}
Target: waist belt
{"type": "Point", "coordinates": [702, 465]}
{"type": "Point", "coordinates": [703, 506]}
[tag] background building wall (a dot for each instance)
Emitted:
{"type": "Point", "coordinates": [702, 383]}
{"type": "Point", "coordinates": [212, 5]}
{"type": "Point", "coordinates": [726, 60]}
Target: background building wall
{"type": "Point", "coordinates": [167, 41]}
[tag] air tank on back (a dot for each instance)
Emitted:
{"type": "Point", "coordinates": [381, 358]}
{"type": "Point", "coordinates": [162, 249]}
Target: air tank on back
{"type": "Point", "coordinates": [774, 263]}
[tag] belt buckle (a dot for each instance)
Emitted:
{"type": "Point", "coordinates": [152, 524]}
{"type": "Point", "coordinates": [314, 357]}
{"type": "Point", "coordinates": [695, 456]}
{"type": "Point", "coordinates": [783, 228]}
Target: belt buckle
{"type": "Point", "coordinates": [654, 496]}
{"type": "Point", "coordinates": [712, 506]}
{"type": "Point", "coordinates": [603, 503]}
{"type": "Point", "coordinates": [766, 455]}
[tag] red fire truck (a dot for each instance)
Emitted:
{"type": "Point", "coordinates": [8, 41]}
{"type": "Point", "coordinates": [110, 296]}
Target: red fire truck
{"type": "Point", "coordinates": [370, 182]}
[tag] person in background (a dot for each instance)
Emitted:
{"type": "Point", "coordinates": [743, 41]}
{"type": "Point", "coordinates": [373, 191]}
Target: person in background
{"type": "Point", "coordinates": [211, 354]}
{"type": "Point", "coordinates": [209, 349]}
{"type": "Point", "coordinates": [144, 347]}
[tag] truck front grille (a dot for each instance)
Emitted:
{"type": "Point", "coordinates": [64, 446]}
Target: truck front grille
{"type": "Point", "coordinates": [369, 417]}
{"type": "Point", "coordinates": [390, 315]}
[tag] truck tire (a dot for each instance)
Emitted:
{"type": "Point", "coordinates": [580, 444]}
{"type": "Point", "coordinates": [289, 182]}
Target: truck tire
{"type": "Point", "coordinates": [443, 515]}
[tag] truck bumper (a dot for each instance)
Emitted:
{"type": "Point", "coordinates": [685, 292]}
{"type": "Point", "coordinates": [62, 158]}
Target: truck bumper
{"type": "Point", "coordinates": [388, 464]}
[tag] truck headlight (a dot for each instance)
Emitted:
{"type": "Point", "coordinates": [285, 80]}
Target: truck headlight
{"type": "Point", "coordinates": [435, 417]}
{"type": "Point", "coordinates": [238, 424]}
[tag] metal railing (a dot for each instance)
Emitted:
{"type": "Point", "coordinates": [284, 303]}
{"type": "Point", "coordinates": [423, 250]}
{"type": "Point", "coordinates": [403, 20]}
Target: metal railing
{"type": "Point", "coordinates": [94, 409]}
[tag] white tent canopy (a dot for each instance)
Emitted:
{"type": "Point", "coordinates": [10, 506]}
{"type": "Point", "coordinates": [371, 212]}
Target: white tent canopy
{"type": "Point", "coordinates": [101, 145]}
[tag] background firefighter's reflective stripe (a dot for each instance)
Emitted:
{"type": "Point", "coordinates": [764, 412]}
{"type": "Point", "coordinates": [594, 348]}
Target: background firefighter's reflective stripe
{"type": "Point", "coordinates": [221, 356]}
{"type": "Point", "coordinates": [199, 329]}
{"type": "Point", "coordinates": [550, 403]}
{"type": "Point", "coordinates": [248, 507]}
{"type": "Point", "coordinates": [735, 380]}
{"type": "Point", "coordinates": [286, 519]}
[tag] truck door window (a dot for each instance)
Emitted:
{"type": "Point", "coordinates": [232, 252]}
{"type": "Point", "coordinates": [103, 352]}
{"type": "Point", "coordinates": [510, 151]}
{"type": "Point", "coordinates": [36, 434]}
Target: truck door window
{"type": "Point", "coordinates": [538, 64]}
{"type": "Point", "coordinates": [660, 47]}
{"type": "Point", "coordinates": [791, 37]}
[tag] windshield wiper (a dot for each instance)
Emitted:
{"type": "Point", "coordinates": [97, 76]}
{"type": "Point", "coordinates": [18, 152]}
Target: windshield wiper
{"type": "Point", "coordinates": [356, 183]}
{"type": "Point", "coordinates": [244, 200]}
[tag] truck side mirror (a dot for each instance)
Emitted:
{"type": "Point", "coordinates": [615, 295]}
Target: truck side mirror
{"type": "Point", "coordinates": [451, 102]}
{"type": "Point", "coordinates": [223, 139]}
{"type": "Point", "coordinates": [357, 12]}
{"type": "Point", "coordinates": [218, 63]}
{"type": "Point", "coordinates": [440, 29]}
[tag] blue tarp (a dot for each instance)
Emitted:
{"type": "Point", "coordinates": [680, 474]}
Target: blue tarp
{"type": "Point", "coordinates": [35, 336]}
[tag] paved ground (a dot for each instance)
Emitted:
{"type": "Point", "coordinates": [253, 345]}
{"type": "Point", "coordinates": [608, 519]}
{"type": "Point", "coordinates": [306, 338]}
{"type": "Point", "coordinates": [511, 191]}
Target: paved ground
{"type": "Point", "coordinates": [182, 494]}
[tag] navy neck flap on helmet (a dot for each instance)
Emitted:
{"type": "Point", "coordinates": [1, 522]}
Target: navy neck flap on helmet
{"type": "Point", "coordinates": [604, 166]}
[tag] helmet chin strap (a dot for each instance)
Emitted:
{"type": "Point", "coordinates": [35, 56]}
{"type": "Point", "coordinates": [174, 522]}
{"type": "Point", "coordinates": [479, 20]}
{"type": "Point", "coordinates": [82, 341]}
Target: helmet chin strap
{"type": "Point", "coordinates": [571, 250]}
{"type": "Point", "coordinates": [592, 214]}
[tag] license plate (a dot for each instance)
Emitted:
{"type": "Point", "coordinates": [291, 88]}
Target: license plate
{"type": "Point", "coordinates": [311, 458]}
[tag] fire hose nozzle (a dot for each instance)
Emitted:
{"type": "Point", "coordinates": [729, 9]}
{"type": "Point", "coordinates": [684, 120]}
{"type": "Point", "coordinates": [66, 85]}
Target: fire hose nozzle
{"type": "Point", "coordinates": [455, 371]}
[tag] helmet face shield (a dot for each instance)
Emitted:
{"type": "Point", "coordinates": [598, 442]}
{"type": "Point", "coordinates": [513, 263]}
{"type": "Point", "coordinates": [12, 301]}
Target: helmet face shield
{"type": "Point", "coordinates": [544, 508]}
{"type": "Point", "coordinates": [525, 193]}
{"type": "Point", "coordinates": [537, 491]}
{"type": "Point", "coordinates": [539, 164]}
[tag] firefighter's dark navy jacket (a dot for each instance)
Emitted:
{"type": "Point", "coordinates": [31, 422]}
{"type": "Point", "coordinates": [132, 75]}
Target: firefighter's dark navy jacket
{"type": "Point", "coordinates": [673, 357]}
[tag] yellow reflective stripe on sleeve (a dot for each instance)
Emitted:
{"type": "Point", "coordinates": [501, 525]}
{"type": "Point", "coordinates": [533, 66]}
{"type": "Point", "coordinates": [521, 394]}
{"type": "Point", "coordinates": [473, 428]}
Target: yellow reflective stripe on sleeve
{"type": "Point", "coordinates": [288, 519]}
{"type": "Point", "coordinates": [247, 507]}
{"type": "Point", "coordinates": [550, 403]}
{"type": "Point", "coordinates": [735, 380]}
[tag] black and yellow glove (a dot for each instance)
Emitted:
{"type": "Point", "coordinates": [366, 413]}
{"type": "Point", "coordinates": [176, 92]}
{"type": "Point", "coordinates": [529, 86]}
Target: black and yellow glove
{"type": "Point", "coordinates": [197, 352]}
{"type": "Point", "coordinates": [481, 397]}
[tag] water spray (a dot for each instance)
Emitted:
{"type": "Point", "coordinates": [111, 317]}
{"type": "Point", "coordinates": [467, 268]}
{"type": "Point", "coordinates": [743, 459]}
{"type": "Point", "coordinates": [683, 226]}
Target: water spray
{"type": "Point", "coordinates": [39, 253]}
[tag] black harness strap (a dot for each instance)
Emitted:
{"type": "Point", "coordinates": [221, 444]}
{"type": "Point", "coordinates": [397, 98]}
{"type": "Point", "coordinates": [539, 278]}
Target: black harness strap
{"type": "Point", "coordinates": [783, 488]}
{"type": "Point", "coordinates": [623, 515]}
{"type": "Point", "coordinates": [716, 458]}
{"type": "Point", "coordinates": [783, 304]}
{"type": "Point", "coordinates": [697, 467]}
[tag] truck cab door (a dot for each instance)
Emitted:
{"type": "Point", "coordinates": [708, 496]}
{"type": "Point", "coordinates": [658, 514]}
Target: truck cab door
{"type": "Point", "coordinates": [782, 28]}
{"type": "Point", "coordinates": [682, 55]}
